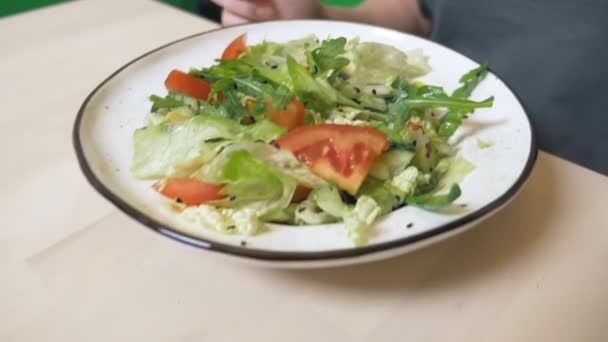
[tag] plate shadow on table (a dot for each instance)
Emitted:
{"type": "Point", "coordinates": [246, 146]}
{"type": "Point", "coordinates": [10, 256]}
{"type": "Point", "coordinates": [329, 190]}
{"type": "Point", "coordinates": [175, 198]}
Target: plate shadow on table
{"type": "Point", "coordinates": [501, 242]}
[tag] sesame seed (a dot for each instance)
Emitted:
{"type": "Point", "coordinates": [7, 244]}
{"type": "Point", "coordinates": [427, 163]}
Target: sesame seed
{"type": "Point", "coordinates": [230, 227]}
{"type": "Point", "coordinates": [357, 90]}
{"type": "Point", "coordinates": [374, 91]}
{"type": "Point", "coordinates": [274, 66]}
{"type": "Point", "coordinates": [232, 198]}
{"type": "Point", "coordinates": [243, 243]}
{"type": "Point", "coordinates": [301, 209]}
{"type": "Point", "coordinates": [234, 86]}
{"type": "Point", "coordinates": [178, 200]}
{"type": "Point", "coordinates": [397, 198]}
{"type": "Point", "coordinates": [409, 225]}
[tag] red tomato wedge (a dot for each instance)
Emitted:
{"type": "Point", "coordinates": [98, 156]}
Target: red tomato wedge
{"type": "Point", "coordinates": [181, 82]}
{"type": "Point", "coordinates": [236, 47]}
{"type": "Point", "coordinates": [342, 154]}
{"type": "Point", "coordinates": [290, 117]}
{"type": "Point", "coordinates": [189, 190]}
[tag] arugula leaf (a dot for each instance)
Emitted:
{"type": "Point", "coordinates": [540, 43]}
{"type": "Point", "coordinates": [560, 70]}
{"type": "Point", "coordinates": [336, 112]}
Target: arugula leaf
{"type": "Point", "coordinates": [409, 97]}
{"type": "Point", "coordinates": [225, 68]}
{"type": "Point", "coordinates": [453, 119]}
{"type": "Point", "coordinates": [327, 56]}
{"type": "Point", "coordinates": [470, 80]}
{"type": "Point", "coordinates": [279, 95]}
{"type": "Point", "coordinates": [431, 201]}
{"type": "Point", "coordinates": [435, 97]}
{"type": "Point", "coordinates": [168, 102]}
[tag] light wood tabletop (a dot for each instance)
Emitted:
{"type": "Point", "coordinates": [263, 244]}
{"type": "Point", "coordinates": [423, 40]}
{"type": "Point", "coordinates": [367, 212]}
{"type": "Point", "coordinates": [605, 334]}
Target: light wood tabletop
{"type": "Point", "coordinates": [74, 268]}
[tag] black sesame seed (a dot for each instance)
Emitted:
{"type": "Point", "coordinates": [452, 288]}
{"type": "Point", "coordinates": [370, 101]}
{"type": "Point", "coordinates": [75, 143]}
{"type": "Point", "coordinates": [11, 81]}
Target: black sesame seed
{"type": "Point", "coordinates": [235, 86]}
{"type": "Point", "coordinates": [243, 243]}
{"type": "Point", "coordinates": [465, 117]}
{"type": "Point", "coordinates": [301, 209]}
{"type": "Point", "coordinates": [409, 225]}
{"type": "Point", "coordinates": [356, 101]}
{"type": "Point", "coordinates": [374, 91]}
{"type": "Point", "coordinates": [232, 198]}
{"type": "Point", "coordinates": [347, 198]}
{"type": "Point", "coordinates": [463, 205]}
{"type": "Point", "coordinates": [230, 227]}
{"type": "Point", "coordinates": [274, 66]}
{"type": "Point", "coordinates": [357, 90]}
{"type": "Point", "coordinates": [179, 200]}
{"type": "Point", "coordinates": [428, 154]}
{"type": "Point", "coordinates": [317, 210]}
{"type": "Point", "coordinates": [397, 198]}
{"type": "Point", "coordinates": [265, 81]}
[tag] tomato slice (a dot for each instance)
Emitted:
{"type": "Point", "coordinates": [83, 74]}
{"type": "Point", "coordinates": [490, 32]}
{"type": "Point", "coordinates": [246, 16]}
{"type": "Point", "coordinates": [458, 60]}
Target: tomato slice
{"type": "Point", "coordinates": [290, 117]}
{"type": "Point", "coordinates": [181, 82]}
{"type": "Point", "coordinates": [236, 47]}
{"type": "Point", "coordinates": [342, 154]}
{"type": "Point", "coordinates": [189, 190]}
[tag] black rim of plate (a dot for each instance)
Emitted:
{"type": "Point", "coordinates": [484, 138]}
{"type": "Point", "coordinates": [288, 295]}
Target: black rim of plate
{"type": "Point", "coordinates": [282, 256]}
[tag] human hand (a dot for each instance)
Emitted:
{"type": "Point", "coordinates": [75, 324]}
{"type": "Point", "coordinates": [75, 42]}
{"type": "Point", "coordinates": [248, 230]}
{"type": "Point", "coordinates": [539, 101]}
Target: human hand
{"type": "Point", "coordinates": [244, 11]}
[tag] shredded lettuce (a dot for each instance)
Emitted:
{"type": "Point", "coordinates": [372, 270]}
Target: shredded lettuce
{"type": "Point", "coordinates": [359, 220]}
{"type": "Point", "coordinates": [381, 64]}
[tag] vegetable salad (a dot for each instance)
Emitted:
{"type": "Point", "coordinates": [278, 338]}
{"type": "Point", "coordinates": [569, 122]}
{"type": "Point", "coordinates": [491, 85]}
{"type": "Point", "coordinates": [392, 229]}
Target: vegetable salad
{"type": "Point", "coordinates": [305, 132]}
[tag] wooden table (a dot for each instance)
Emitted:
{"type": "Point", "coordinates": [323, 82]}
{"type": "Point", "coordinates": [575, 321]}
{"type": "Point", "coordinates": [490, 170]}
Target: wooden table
{"type": "Point", "coordinates": [74, 268]}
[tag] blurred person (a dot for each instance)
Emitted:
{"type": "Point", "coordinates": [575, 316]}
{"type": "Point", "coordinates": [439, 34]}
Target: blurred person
{"type": "Point", "coordinates": [554, 53]}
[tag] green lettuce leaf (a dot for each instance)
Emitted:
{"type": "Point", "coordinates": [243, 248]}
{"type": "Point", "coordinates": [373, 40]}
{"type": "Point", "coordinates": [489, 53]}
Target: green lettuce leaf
{"type": "Point", "coordinates": [163, 148]}
{"type": "Point", "coordinates": [264, 130]}
{"type": "Point", "coordinates": [431, 201]}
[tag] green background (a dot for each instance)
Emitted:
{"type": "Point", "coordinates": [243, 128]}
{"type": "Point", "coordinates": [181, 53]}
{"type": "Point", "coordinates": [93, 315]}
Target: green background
{"type": "Point", "coordinates": [10, 7]}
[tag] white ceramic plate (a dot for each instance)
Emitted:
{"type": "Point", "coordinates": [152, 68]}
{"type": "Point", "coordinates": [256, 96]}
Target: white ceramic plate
{"type": "Point", "coordinates": [106, 121]}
